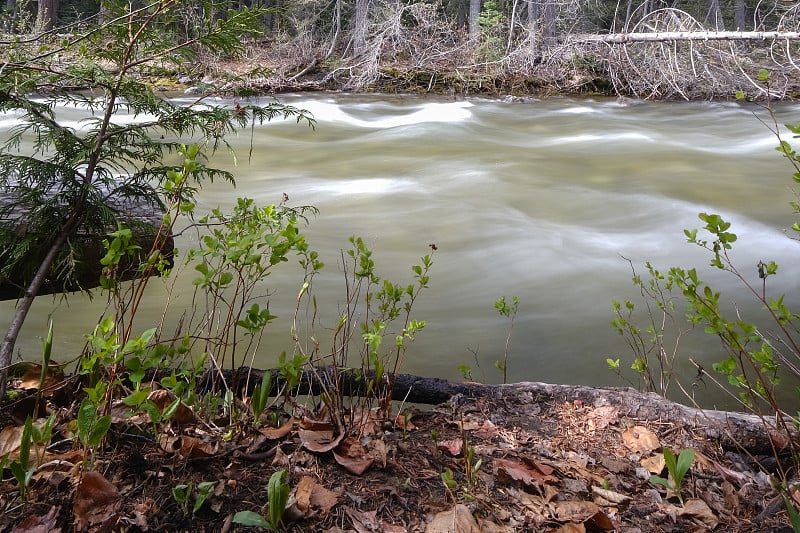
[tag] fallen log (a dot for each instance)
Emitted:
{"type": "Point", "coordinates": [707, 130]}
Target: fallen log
{"type": "Point", "coordinates": [733, 430]}
{"type": "Point", "coordinates": [663, 36]}
{"type": "Point", "coordinates": [143, 218]}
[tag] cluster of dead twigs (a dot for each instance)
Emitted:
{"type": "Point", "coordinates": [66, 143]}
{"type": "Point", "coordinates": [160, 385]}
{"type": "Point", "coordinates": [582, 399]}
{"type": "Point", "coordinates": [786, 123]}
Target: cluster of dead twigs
{"type": "Point", "coordinates": [667, 54]}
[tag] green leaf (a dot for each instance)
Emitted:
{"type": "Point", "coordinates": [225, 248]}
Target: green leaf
{"type": "Point", "coordinates": [181, 492]}
{"type": "Point", "coordinates": [203, 492]}
{"type": "Point", "coordinates": [136, 398]}
{"type": "Point", "coordinates": [278, 495]}
{"type": "Point", "coordinates": [791, 510]}
{"type": "Point", "coordinates": [99, 430]}
{"type": "Point", "coordinates": [249, 518]}
{"type": "Point", "coordinates": [25, 443]}
{"type": "Point", "coordinates": [685, 460]}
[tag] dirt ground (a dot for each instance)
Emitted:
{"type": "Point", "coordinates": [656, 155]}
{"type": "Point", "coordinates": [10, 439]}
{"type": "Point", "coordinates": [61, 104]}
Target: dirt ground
{"type": "Point", "coordinates": [521, 463]}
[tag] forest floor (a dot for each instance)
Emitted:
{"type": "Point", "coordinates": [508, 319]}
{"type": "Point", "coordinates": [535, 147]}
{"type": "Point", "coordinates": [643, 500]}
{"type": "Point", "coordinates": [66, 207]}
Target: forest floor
{"type": "Point", "coordinates": [523, 463]}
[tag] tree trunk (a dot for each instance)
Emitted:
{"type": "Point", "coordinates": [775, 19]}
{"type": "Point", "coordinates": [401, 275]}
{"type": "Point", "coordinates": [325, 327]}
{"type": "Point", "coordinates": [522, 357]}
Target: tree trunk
{"type": "Point", "coordinates": [733, 430]}
{"type": "Point", "coordinates": [360, 27]}
{"type": "Point", "coordinates": [104, 14]}
{"type": "Point", "coordinates": [142, 218]}
{"type": "Point", "coordinates": [740, 15]}
{"type": "Point", "coordinates": [548, 16]}
{"type": "Point", "coordinates": [714, 16]}
{"type": "Point", "coordinates": [47, 16]}
{"type": "Point", "coordinates": [25, 303]}
{"type": "Point", "coordinates": [472, 21]}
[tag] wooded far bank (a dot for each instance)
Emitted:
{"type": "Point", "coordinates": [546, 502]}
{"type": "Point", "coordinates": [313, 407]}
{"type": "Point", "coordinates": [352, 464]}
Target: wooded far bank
{"type": "Point", "coordinates": [684, 50]}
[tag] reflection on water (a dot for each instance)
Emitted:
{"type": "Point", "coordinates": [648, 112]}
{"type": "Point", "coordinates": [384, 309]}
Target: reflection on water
{"type": "Point", "coordinates": [540, 199]}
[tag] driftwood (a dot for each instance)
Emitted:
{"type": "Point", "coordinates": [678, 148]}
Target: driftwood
{"type": "Point", "coordinates": [141, 217]}
{"type": "Point", "coordinates": [733, 430]}
{"type": "Point", "coordinates": [662, 36]}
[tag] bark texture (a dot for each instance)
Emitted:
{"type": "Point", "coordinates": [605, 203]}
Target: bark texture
{"type": "Point", "coordinates": [144, 220]}
{"type": "Point", "coordinates": [733, 430]}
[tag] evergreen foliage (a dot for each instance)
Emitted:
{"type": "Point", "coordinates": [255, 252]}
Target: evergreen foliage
{"type": "Point", "coordinates": [66, 184]}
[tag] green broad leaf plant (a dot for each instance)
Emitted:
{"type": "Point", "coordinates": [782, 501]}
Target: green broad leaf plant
{"type": "Point", "coordinates": [677, 468]}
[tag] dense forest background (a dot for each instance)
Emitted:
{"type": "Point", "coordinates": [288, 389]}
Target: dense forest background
{"type": "Point", "coordinates": [489, 46]}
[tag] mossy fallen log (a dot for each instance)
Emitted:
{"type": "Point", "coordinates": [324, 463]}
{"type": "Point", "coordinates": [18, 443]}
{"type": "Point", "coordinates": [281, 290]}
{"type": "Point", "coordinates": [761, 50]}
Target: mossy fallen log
{"type": "Point", "coordinates": [733, 430]}
{"type": "Point", "coordinates": [142, 217]}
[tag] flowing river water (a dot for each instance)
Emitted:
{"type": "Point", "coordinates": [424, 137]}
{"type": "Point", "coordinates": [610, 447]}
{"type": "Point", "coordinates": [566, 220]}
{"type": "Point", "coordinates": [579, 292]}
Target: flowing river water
{"type": "Point", "coordinates": [539, 199]}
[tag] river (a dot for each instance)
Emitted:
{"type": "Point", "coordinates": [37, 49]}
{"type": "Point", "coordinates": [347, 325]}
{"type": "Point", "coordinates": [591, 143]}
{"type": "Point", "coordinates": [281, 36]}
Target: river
{"type": "Point", "coordinates": [536, 199]}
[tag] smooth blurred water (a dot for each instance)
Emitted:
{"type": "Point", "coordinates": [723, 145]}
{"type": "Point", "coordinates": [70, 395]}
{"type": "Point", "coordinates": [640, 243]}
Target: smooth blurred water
{"type": "Point", "coordinates": [538, 199]}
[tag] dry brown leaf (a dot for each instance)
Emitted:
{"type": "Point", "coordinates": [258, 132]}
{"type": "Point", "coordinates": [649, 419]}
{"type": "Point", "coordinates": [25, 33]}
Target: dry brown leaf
{"type": "Point", "coordinates": [96, 503]}
{"type": "Point", "coordinates": [53, 381]}
{"type": "Point", "coordinates": [600, 520]}
{"type": "Point", "coordinates": [40, 523]}
{"type": "Point", "coordinates": [404, 422]}
{"type": "Point", "coordinates": [700, 510]}
{"type": "Point", "coordinates": [487, 430]}
{"type": "Point", "coordinates": [539, 466]}
{"type": "Point", "coordinates": [654, 464]}
{"type": "Point", "coordinates": [706, 463]}
{"type": "Point", "coordinates": [323, 499]}
{"type": "Point", "coordinates": [575, 511]}
{"type": "Point", "coordinates": [366, 521]}
{"type": "Point", "coordinates": [458, 519]}
{"type": "Point", "coordinates": [468, 425]}
{"type": "Point", "coordinates": [188, 446]}
{"type": "Point", "coordinates": [452, 446]}
{"type": "Point", "coordinates": [571, 527]}
{"type": "Point", "coordinates": [378, 451]}
{"type": "Point", "coordinates": [279, 433]}
{"type": "Point", "coordinates": [319, 441]}
{"type": "Point", "coordinates": [490, 527]}
{"type": "Point", "coordinates": [640, 439]}
{"type": "Point", "coordinates": [10, 439]}
{"type": "Point", "coordinates": [603, 416]}
{"type": "Point", "coordinates": [534, 475]}
{"type": "Point", "coordinates": [312, 498]}
{"type": "Point", "coordinates": [163, 398]}
{"type": "Point", "coordinates": [612, 497]}
{"type": "Point", "coordinates": [302, 494]}
{"type": "Point", "coordinates": [351, 455]}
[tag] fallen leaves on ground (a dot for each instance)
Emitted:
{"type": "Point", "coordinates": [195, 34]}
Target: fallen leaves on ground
{"type": "Point", "coordinates": [514, 465]}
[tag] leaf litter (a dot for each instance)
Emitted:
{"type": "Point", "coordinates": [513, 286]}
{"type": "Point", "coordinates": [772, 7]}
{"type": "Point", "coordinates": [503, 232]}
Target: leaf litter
{"type": "Point", "coordinates": [482, 465]}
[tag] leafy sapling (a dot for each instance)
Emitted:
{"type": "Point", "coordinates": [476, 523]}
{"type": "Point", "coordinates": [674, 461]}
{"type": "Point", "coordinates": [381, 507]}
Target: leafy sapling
{"type": "Point", "coordinates": [677, 469]}
{"type": "Point", "coordinates": [510, 312]}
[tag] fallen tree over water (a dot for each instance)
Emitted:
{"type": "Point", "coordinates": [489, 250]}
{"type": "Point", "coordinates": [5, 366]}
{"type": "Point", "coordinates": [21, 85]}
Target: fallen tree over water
{"type": "Point", "coordinates": [141, 216]}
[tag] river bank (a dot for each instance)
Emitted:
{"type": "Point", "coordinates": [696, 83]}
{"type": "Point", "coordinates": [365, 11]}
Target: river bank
{"type": "Point", "coordinates": [640, 71]}
{"type": "Point", "coordinates": [525, 458]}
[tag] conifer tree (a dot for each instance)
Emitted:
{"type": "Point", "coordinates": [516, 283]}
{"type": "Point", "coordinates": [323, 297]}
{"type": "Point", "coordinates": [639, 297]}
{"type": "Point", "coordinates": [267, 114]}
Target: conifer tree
{"type": "Point", "coordinates": [67, 181]}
